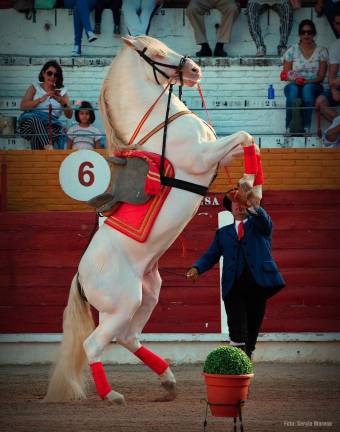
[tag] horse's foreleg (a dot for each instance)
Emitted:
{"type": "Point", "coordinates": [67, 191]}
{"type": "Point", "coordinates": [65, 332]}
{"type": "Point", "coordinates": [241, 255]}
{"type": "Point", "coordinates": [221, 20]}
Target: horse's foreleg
{"type": "Point", "coordinates": [250, 185]}
{"type": "Point", "coordinates": [130, 338]}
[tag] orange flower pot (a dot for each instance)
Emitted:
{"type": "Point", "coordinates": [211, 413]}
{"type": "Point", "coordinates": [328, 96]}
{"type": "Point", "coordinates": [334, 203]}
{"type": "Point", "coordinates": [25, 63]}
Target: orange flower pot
{"type": "Point", "coordinates": [226, 390]}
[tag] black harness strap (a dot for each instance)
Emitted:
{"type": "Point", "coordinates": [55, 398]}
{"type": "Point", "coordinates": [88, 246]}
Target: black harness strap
{"type": "Point", "coordinates": [154, 65]}
{"type": "Point", "coordinates": [170, 181]}
{"type": "Point", "coordinates": [182, 184]}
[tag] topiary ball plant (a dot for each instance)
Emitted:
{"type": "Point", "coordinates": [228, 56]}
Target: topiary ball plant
{"type": "Point", "coordinates": [228, 360]}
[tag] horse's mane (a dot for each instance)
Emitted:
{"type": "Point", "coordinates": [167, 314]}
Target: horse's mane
{"type": "Point", "coordinates": [114, 142]}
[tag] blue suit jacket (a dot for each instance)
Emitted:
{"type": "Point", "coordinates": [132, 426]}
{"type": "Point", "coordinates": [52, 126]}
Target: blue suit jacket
{"type": "Point", "coordinates": [254, 249]}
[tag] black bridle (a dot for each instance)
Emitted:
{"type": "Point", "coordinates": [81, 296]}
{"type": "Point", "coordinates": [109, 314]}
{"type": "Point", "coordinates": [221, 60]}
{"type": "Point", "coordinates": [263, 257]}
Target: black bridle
{"type": "Point", "coordinates": [154, 64]}
{"type": "Point", "coordinates": [170, 181]}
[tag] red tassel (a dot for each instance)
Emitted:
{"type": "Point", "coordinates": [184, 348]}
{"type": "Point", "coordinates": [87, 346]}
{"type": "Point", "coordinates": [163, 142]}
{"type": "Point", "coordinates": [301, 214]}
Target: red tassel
{"type": "Point", "coordinates": [100, 380]}
{"type": "Point", "coordinates": [250, 162]}
{"type": "Point", "coordinates": [156, 363]}
{"type": "Point", "coordinates": [259, 178]}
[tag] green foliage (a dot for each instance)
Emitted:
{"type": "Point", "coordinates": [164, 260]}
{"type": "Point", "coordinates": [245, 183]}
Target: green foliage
{"type": "Point", "coordinates": [228, 360]}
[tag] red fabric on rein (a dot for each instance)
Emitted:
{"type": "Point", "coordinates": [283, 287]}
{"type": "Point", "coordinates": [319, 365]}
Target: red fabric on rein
{"type": "Point", "coordinates": [156, 363]}
{"type": "Point", "coordinates": [100, 380]}
{"type": "Point", "coordinates": [250, 161]}
{"type": "Point", "coordinates": [259, 178]}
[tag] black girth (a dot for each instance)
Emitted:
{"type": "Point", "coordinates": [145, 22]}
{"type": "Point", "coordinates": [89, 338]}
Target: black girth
{"type": "Point", "coordinates": [170, 181]}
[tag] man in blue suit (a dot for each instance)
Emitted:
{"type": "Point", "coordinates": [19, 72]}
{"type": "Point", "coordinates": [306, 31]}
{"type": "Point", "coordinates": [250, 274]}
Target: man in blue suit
{"type": "Point", "coordinates": [249, 275]}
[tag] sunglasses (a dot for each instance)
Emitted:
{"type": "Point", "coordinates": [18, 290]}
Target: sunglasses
{"type": "Point", "coordinates": [307, 32]}
{"type": "Point", "coordinates": [50, 73]}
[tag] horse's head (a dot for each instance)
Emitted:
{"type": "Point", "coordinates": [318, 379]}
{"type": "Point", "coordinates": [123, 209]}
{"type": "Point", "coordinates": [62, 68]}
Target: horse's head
{"type": "Point", "coordinates": [165, 63]}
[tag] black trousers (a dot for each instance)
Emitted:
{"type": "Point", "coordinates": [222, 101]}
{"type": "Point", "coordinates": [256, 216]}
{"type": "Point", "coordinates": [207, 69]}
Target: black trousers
{"type": "Point", "coordinates": [114, 5]}
{"type": "Point", "coordinates": [245, 306]}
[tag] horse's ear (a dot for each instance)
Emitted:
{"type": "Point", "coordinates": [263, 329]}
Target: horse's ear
{"type": "Point", "coordinates": [130, 41]}
{"type": "Point", "coordinates": [159, 54]}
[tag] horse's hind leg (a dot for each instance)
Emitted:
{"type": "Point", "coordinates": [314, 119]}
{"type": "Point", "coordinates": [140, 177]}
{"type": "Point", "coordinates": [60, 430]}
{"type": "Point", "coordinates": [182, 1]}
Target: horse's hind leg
{"type": "Point", "coordinates": [94, 346]}
{"type": "Point", "coordinates": [130, 337]}
{"type": "Point", "coordinates": [110, 326]}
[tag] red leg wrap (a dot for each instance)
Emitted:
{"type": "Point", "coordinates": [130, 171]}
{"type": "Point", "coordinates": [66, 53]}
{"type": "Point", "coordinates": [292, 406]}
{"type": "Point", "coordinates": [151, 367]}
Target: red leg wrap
{"type": "Point", "coordinates": [250, 162]}
{"type": "Point", "coordinates": [259, 178]}
{"type": "Point", "coordinates": [157, 364]}
{"type": "Point", "coordinates": [99, 377]}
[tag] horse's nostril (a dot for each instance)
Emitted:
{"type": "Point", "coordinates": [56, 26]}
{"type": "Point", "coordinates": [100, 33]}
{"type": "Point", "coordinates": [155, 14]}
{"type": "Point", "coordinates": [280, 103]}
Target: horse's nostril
{"type": "Point", "coordinates": [194, 70]}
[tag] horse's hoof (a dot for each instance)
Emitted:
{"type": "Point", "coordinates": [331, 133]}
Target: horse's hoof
{"type": "Point", "coordinates": [115, 397]}
{"type": "Point", "coordinates": [171, 392]}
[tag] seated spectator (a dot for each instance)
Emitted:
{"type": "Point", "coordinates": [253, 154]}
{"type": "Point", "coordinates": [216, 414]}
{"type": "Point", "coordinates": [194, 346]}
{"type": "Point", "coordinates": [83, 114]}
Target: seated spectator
{"type": "Point", "coordinates": [83, 135]}
{"type": "Point", "coordinates": [81, 21]}
{"type": "Point", "coordinates": [305, 66]}
{"type": "Point", "coordinates": [138, 15]}
{"type": "Point", "coordinates": [256, 8]}
{"type": "Point", "coordinates": [331, 136]}
{"type": "Point", "coordinates": [195, 11]}
{"type": "Point", "coordinates": [331, 97]}
{"type": "Point", "coordinates": [115, 6]}
{"type": "Point", "coordinates": [330, 8]}
{"type": "Point", "coordinates": [43, 103]}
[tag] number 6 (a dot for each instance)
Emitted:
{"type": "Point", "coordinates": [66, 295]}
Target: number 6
{"type": "Point", "coordinates": [82, 172]}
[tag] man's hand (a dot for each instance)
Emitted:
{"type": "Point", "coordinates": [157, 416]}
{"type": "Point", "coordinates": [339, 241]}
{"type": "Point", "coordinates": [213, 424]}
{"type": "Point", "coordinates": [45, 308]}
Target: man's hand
{"type": "Point", "coordinates": [192, 274]}
{"type": "Point", "coordinates": [253, 200]}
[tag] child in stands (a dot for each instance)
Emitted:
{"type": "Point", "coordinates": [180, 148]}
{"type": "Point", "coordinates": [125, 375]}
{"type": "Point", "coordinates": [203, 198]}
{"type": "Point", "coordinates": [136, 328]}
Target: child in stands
{"type": "Point", "coordinates": [83, 135]}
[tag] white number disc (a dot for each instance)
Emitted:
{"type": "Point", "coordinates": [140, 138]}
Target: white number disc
{"type": "Point", "coordinates": [225, 218]}
{"type": "Point", "coordinates": [84, 174]}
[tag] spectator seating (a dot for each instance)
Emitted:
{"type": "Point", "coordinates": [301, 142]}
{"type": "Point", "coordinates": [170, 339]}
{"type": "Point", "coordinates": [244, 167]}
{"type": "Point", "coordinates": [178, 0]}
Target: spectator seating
{"type": "Point", "coordinates": [235, 87]}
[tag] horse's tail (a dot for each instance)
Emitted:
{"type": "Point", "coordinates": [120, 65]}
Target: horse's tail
{"type": "Point", "coordinates": [112, 141]}
{"type": "Point", "coordinates": [67, 381]}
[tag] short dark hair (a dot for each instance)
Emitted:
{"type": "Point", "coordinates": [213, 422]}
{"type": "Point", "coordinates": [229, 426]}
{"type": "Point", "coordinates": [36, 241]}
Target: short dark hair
{"type": "Point", "coordinates": [84, 105]}
{"type": "Point", "coordinates": [309, 23]}
{"type": "Point", "coordinates": [59, 83]}
{"type": "Point", "coordinates": [227, 201]}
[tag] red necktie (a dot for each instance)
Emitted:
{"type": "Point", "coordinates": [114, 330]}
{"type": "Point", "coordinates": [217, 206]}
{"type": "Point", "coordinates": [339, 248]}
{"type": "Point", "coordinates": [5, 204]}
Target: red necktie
{"type": "Point", "coordinates": [240, 230]}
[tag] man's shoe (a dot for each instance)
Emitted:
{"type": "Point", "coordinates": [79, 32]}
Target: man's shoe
{"type": "Point", "coordinates": [116, 30]}
{"type": "Point", "coordinates": [219, 52]}
{"type": "Point", "coordinates": [205, 51]}
{"type": "Point", "coordinates": [76, 51]}
{"type": "Point", "coordinates": [91, 36]}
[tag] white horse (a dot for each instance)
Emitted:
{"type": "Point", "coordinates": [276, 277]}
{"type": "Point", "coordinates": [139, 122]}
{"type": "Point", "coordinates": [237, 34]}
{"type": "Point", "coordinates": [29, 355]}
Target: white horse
{"type": "Point", "coordinates": [118, 275]}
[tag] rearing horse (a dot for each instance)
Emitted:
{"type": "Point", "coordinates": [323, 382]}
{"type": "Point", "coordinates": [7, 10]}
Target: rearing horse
{"type": "Point", "coordinates": [118, 275]}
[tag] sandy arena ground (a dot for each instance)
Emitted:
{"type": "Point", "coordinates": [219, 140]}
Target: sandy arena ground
{"type": "Point", "coordinates": [283, 397]}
